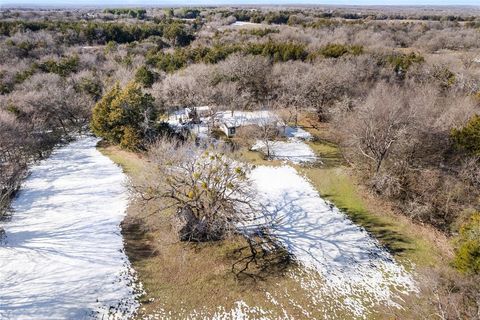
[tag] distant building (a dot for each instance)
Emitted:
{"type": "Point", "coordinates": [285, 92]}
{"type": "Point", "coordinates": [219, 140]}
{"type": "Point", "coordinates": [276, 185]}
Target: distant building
{"type": "Point", "coordinates": [229, 128]}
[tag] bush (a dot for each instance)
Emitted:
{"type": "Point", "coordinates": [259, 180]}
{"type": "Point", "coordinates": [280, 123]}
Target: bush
{"type": "Point", "coordinates": [177, 34]}
{"type": "Point", "coordinates": [145, 77]}
{"type": "Point", "coordinates": [63, 67]}
{"type": "Point", "coordinates": [278, 51]}
{"type": "Point", "coordinates": [335, 50]}
{"type": "Point", "coordinates": [259, 32]}
{"type": "Point", "coordinates": [467, 255]}
{"type": "Point", "coordinates": [401, 62]}
{"type": "Point", "coordinates": [92, 86]}
{"type": "Point", "coordinates": [169, 62]}
{"type": "Point", "coordinates": [468, 138]}
{"type": "Point", "coordinates": [134, 13]}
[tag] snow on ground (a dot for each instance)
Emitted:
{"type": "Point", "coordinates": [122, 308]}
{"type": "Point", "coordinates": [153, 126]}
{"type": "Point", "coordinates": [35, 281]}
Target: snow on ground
{"type": "Point", "coordinates": [294, 150]}
{"type": "Point", "coordinates": [297, 132]}
{"type": "Point", "coordinates": [355, 270]}
{"type": "Point", "coordinates": [240, 311]}
{"type": "Point", "coordinates": [243, 118]}
{"type": "Point", "coordinates": [62, 257]}
{"type": "Point", "coordinates": [245, 23]}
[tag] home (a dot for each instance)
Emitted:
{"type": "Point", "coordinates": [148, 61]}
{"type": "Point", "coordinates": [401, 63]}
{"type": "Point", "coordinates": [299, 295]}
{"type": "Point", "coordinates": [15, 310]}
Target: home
{"type": "Point", "coordinates": [229, 128]}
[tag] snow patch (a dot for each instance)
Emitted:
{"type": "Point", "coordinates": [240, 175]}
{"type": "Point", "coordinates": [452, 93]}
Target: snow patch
{"type": "Point", "coordinates": [354, 268]}
{"type": "Point", "coordinates": [298, 133]}
{"type": "Point", "coordinates": [241, 310]}
{"type": "Point", "coordinates": [63, 256]}
{"type": "Point", "coordinates": [293, 150]}
{"type": "Point", "coordinates": [245, 23]}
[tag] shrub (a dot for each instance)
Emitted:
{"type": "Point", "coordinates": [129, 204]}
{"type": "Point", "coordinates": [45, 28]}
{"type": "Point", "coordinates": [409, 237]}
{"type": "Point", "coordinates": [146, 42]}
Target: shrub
{"type": "Point", "coordinates": [468, 137]}
{"type": "Point", "coordinates": [91, 86]}
{"type": "Point", "coordinates": [335, 50]}
{"type": "Point", "coordinates": [278, 51]}
{"type": "Point", "coordinates": [401, 62]}
{"type": "Point", "coordinates": [63, 67]}
{"type": "Point", "coordinates": [169, 62]}
{"type": "Point", "coordinates": [467, 255]}
{"type": "Point", "coordinates": [134, 13]}
{"type": "Point", "coordinates": [259, 32]}
{"type": "Point", "coordinates": [177, 34]}
{"type": "Point", "coordinates": [145, 77]}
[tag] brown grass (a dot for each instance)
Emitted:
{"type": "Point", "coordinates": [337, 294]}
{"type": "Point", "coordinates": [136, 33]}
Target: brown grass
{"type": "Point", "coordinates": [184, 279]}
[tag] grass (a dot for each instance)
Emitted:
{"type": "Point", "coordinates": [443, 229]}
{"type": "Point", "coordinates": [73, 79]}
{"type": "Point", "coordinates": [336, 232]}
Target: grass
{"type": "Point", "coordinates": [406, 240]}
{"type": "Point", "coordinates": [399, 235]}
{"type": "Point", "coordinates": [184, 279]}
{"type": "Point", "coordinates": [131, 163]}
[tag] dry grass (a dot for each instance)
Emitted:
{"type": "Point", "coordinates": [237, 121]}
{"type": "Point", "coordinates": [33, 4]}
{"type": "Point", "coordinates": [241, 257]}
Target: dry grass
{"type": "Point", "coordinates": [184, 279]}
{"type": "Point", "coordinates": [408, 241]}
{"type": "Point", "coordinates": [181, 279]}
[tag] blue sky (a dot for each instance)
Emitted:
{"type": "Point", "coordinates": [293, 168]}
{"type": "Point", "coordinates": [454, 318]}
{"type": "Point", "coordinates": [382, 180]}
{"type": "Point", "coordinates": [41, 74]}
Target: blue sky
{"type": "Point", "coordinates": [220, 2]}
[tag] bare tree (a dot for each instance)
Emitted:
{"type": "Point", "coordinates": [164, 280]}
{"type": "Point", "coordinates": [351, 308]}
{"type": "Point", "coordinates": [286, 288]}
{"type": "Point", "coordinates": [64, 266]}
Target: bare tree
{"type": "Point", "coordinates": [209, 190]}
{"type": "Point", "coordinates": [251, 74]}
{"type": "Point", "coordinates": [378, 124]}
{"type": "Point", "coordinates": [267, 133]}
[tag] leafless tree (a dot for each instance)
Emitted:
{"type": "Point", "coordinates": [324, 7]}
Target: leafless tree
{"type": "Point", "coordinates": [267, 134]}
{"type": "Point", "coordinates": [209, 190]}
{"type": "Point", "coordinates": [378, 124]}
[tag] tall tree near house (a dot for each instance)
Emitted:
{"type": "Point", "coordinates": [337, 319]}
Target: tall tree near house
{"type": "Point", "coordinates": [321, 87]}
{"type": "Point", "coordinates": [289, 87]}
{"type": "Point", "coordinates": [101, 124]}
{"type": "Point", "coordinates": [251, 75]}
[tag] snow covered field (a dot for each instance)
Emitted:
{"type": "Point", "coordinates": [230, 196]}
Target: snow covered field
{"type": "Point", "coordinates": [356, 273]}
{"type": "Point", "coordinates": [294, 149]}
{"type": "Point", "coordinates": [62, 257]}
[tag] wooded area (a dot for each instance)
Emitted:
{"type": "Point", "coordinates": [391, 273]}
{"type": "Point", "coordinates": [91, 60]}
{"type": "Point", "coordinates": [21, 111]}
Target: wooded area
{"type": "Point", "coordinates": [398, 91]}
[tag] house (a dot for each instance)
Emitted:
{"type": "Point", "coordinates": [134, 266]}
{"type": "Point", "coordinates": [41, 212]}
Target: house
{"type": "Point", "coordinates": [230, 121]}
{"type": "Point", "coordinates": [229, 128]}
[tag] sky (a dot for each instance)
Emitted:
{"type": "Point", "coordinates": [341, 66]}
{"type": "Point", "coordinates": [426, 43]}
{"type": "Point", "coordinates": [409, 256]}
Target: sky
{"type": "Point", "coordinates": [231, 2]}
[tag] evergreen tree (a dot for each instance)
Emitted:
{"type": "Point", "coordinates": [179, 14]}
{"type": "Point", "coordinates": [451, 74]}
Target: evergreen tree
{"type": "Point", "coordinates": [468, 138]}
{"type": "Point", "coordinates": [145, 77]}
{"type": "Point", "coordinates": [125, 117]}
